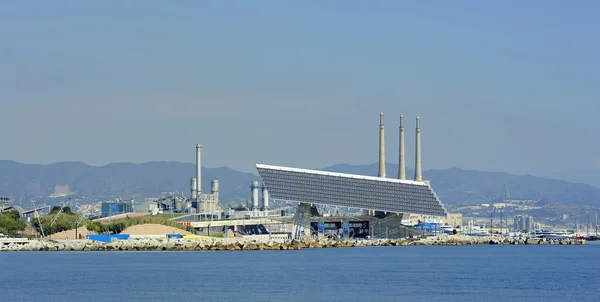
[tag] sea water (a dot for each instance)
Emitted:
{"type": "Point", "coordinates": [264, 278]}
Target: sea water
{"type": "Point", "coordinates": [415, 273]}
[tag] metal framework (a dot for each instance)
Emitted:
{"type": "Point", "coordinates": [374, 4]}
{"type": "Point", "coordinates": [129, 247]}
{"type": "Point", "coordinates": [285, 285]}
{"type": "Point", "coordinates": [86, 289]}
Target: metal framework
{"type": "Point", "coordinates": [348, 190]}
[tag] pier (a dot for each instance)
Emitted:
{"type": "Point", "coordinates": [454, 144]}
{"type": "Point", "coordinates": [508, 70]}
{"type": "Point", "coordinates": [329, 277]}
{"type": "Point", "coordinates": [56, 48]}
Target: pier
{"type": "Point", "coordinates": [262, 243]}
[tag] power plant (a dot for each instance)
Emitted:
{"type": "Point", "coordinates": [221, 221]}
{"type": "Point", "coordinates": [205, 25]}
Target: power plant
{"type": "Point", "coordinates": [201, 203]}
{"type": "Point", "coordinates": [312, 196]}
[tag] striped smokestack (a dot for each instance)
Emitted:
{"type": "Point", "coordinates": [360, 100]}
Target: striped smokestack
{"type": "Point", "coordinates": [418, 175]}
{"type": "Point", "coordinates": [381, 147]}
{"type": "Point", "coordinates": [402, 165]}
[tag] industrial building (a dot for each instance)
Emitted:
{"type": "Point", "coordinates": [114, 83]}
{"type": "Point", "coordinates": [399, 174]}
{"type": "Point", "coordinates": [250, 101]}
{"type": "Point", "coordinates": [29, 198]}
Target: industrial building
{"type": "Point", "coordinates": [206, 204]}
{"type": "Point", "coordinates": [523, 223]}
{"type": "Point", "coordinates": [123, 206]}
{"type": "Point", "coordinates": [384, 204]}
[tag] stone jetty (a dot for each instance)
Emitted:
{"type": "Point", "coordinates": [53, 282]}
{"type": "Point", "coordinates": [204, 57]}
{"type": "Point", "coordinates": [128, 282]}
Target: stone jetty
{"type": "Point", "coordinates": [239, 244]}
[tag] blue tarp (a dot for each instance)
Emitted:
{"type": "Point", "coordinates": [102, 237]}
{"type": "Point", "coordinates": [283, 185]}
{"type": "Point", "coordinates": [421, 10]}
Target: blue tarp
{"type": "Point", "coordinates": [108, 238]}
{"type": "Point", "coordinates": [174, 236]}
{"type": "Point", "coordinates": [430, 227]}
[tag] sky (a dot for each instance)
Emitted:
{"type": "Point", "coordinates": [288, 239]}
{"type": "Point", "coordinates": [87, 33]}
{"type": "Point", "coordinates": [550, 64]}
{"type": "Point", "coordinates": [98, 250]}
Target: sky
{"type": "Point", "coordinates": [507, 86]}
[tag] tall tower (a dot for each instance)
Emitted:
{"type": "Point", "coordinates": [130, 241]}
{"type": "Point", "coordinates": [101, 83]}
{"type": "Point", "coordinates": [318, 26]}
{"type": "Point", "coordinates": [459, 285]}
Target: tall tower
{"type": "Point", "coordinates": [418, 175]}
{"type": "Point", "coordinates": [381, 147]}
{"type": "Point", "coordinates": [198, 169]}
{"type": "Point", "coordinates": [402, 165]}
{"type": "Point", "coordinates": [193, 189]}
{"type": "Point", "coordinates": [265, 198]}
{"type": "Point", "coordinates": [254, 191]}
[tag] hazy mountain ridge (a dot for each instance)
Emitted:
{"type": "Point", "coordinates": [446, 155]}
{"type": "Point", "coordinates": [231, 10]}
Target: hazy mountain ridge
{"type": "Point", "coordinates": [117, 179]}
{"type": "Point", "coordinates": [456, 184]}
{"type": "Point", "coordinates": [32, 181]}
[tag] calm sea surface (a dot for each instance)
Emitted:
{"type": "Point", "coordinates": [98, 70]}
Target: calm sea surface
{"type": "Point", "coordinates": [420, 273]}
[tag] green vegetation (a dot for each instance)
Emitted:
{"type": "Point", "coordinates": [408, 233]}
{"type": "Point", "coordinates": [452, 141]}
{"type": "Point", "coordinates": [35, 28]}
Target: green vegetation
{"type": "Point", "coordinates": [10, 223]}
{"type": "Point", "coordinates": [58, 221]}
{"type": "Point", "coordinates": [118, 226]}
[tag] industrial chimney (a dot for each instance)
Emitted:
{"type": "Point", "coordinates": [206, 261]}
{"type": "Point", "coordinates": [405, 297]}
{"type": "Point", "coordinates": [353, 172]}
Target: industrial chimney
{"type": "Point", "coordinates": [402, 164]}
{"type": "Point", "coordinates": [254, 190]}
{"type": "Point", "coordinates": [381, 147]}
{"type": "Point", "coordinates": [418, 175]}
{"type": "Point", "coordinates": [214, 189]}
{"type": "Point", "coordinates": [193, 189]}
{"type": "Point", "coordinates": [265, 198]}
{"type": "Point", "coordinates": [198, 170]}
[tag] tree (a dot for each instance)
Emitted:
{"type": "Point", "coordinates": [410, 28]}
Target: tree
{"type": "Point", "coordinates": [10, 222]}
{"type": "Point", "coordinates": [66, 220]}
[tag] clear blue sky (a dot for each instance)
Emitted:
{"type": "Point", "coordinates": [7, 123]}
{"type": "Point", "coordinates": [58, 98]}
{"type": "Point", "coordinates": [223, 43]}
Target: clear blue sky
{"type": "Point", "coordinates": [503, 86]}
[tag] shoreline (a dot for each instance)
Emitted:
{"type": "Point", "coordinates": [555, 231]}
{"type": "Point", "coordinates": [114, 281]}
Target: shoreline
{"type": "Point", "coordinates": [239, 244]}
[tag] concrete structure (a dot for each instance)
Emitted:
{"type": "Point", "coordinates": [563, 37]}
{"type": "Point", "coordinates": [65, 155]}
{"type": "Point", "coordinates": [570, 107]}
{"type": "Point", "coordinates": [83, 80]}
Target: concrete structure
{"type": "Point", "coordinates": [198, 169]}
{"type": "Point", "coordinates": [254, 191]}
{"type": "Point", "coordinates": [402, 163]}
{"type": "Point", "coordinates": [523, 223]}
{"type": "Point", "coordinates": [265, 199]}
{"type": "Point", "coordinates": [418, 175]}
{"type": "Point", "coordinates": [207, 204]}
{"type": "Point", "coordinates": [386, 195]}
{"type": "Point", "coordinates": [381, 147]}
{"type": "Point", "coordinates": [193, 189]}
{"type": "Point", "coordinates": [214, 189]}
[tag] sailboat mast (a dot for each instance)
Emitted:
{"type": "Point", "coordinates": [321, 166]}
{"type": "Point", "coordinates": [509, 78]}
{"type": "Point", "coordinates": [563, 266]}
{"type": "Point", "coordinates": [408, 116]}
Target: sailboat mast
{"type": "Point", "coordinates": [596, 224]}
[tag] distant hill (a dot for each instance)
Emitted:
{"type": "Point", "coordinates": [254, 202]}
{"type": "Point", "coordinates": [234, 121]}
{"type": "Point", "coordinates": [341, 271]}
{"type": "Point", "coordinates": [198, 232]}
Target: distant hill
{"type": "Point", "coordinates": [455, 184]}
{"type": "Point", "coordinates": [116, 180]}
{"type": "Point", "coordinates": [590, 177]}
{"type": "Point", "coordinates": [31, 181]}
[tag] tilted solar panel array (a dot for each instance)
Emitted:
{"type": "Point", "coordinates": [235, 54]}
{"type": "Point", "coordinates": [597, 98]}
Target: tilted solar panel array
{"type": "Point", "coordinates": [351, 192]}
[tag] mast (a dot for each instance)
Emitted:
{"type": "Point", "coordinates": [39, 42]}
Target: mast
{"type": "Point", "coordinates": [596, 224]}
{"type": "Point", "coordinates": [587, 231]}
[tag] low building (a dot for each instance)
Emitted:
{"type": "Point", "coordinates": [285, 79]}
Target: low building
{"type": "Point", "coordinates": [454, 219]}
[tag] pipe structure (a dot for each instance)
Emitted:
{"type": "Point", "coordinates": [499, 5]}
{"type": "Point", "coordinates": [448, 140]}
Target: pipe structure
{"type": "Point", "coordinates": [418, 174]}
{"type": "Point", "coordinates": [265, 199]}
{"type": "Point", "coordinates": [254, 190]}
{"type": "Point", "coordinates": [381, 147]}
{"type": "Point", "coordinates": [193, 189]}
{"type": "Point", "coordinates": [214, 189]}
{"type": "Point", "coordinates": [198, 170]}
{"type": "Point", "coordinates": [402, 163]}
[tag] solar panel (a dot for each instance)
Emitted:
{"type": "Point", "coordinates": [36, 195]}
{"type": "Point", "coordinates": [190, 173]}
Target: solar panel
{"type": "Point", "coordinates": [347, 190]}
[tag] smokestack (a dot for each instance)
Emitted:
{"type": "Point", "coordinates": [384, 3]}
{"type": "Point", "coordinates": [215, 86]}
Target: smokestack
{"type": "Point", "coordinates": [418, 175]}
{"type": "Point", "coordinates": [265, 196]}
{"type": "Point", "coordinates": [381, 147]}
{"type": "Point", "coordinates": [198, 169]}
{"type": "Point", "coordinates": [254, 190]}
{"type": "Point", "coordinates": [214, 189]}
{"type": "Point", "coordinates": [402, 167]}
{"type": "Point", "coordinates": [193, 189]}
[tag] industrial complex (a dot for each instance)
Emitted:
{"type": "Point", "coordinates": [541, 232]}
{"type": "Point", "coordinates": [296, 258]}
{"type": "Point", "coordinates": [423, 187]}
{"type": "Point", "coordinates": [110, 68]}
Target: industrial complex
{"type": "Point", "coordinates": [365, 206]}
{"type": "Point", "coordinates": [315, 203]}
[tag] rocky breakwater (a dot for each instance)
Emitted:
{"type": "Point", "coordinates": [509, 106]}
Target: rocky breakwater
{"type": "Point", "coordinates": [471, 240]}
{"type": "Point", "coordinates": [270, 245]}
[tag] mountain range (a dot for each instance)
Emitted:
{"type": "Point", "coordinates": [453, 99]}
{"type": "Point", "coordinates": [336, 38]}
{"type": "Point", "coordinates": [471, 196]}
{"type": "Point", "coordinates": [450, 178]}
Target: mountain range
{"type": "Point", "coordinates": [455, 185]}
